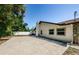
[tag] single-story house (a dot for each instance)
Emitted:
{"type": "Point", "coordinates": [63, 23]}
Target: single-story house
{"type": "Point", "coordinates": [67, 31]}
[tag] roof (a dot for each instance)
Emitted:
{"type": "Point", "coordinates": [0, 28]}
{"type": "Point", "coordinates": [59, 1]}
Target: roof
{"type": "Point", "coordinates": [70, 21]}
{"type": "Point", "coordinates": [49, 22]}
{"type": "Point", "coordinates": [64, 22]}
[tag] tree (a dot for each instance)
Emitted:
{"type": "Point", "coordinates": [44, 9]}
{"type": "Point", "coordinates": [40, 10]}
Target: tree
{"type": "Point", "coordinates": [18, 13]}
{"type": "Point", "coordinates": [11, 18]}
{"type": "Point", "coordinates": [5, 19]}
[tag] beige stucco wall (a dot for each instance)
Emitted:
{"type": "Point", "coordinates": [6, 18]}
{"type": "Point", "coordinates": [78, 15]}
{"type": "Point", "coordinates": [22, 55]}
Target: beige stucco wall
{"type": "Point", "coordinates": [45, 31]}
{"type": "Point", "coordinates": [78, 28]}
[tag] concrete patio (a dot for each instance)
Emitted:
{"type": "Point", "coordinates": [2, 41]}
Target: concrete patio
{"type": "Point", "coordinates": [28, 45]}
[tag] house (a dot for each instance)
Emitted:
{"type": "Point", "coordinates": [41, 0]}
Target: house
{"type": "Point", "coordinates": [34, 31]}
{"type": "Point", "coordinates": [66, 31]}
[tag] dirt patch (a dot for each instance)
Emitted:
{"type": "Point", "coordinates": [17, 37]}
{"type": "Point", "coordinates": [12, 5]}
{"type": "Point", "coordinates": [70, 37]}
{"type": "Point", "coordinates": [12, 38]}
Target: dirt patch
{"type": "Point", "coordinates": [2, 41]}
{"type": "Point", "coordinates": [71, 51]}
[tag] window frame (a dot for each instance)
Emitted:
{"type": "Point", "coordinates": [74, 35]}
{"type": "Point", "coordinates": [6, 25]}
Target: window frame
{"type": "Point", "coordinates": [60, 31]}
{"type": "Point", "coordinates": [51, 31]}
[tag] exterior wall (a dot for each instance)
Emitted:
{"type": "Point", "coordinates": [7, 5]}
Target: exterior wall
{"type": "Point", "coordinates": [77, 25]}
{"type": "Point", "coordinates": [76, 33]}
{"type": "Point", "coordinates": [37, 29]}
{"type": "Point", "coordinates": [45, 31]}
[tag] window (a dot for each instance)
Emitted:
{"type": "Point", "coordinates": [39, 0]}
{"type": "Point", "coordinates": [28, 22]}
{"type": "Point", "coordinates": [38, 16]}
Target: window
{"type": "Point", "coordinates": [41, 31]}
{"type": "Point", "coordinates": [51, 31]}
{"type": "Point", "coordinates": [61, 31]}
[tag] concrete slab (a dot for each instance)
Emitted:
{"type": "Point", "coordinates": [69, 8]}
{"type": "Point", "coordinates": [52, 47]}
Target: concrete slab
{"type": "Point", "coordinates": [28, 45]}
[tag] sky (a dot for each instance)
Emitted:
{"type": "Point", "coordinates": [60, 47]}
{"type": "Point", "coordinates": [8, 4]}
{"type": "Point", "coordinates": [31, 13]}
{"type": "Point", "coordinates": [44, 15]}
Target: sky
{"type": "Point", "coordinates": [49, 12]}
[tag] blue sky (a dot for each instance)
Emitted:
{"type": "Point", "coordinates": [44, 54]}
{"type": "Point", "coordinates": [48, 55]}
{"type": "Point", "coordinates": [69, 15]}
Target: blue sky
{"type": "Point", "coordinates": [49, 12]}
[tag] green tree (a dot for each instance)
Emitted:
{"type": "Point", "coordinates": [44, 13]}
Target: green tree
{"type": "Point", "coordinates": [19, 13]}
{"type": "Point", "coordinates": [11, 18]}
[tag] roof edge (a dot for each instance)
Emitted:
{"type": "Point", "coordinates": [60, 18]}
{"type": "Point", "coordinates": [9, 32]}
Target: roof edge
{"type": "Point", "coordinates": [48, 22]}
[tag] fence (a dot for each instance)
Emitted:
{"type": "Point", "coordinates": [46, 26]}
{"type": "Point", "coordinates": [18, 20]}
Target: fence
{"type": "Point", "coordinates": [22, 33]}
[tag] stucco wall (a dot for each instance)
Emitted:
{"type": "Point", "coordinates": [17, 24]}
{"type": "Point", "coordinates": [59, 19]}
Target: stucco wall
{"type": "Point", "coordinates": [78, 28]}
{"type": "Point", "coordinates": [45, 31]}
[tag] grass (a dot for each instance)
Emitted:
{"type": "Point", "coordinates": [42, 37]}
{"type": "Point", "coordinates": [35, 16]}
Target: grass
{"type": "Point", "coordinates": [71, 51]}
